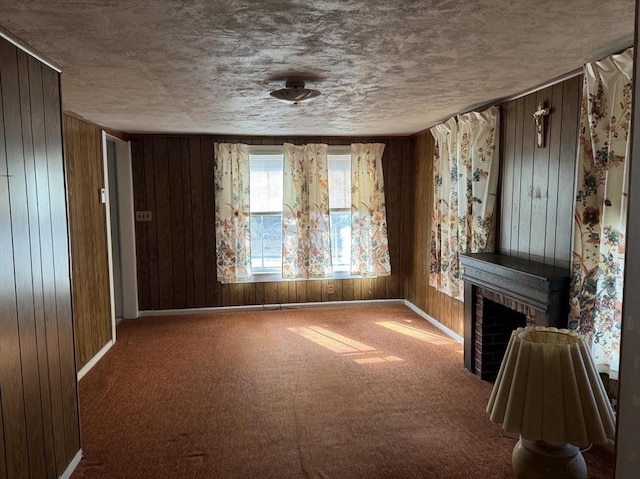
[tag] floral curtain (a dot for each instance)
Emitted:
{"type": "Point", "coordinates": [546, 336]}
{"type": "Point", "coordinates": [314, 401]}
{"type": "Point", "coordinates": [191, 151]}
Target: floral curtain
{"type": "Point", "coordinates": [306, 235]}
{"type": "Point", "coordinates": [369, 244]}
{"type": "Point", "coordinates": [465, 187]}
{"type": "Point", "coordinates": [477, 180]}
{"type": "Point", "coordinates": [598, 256]}
{"type": "Point", "coordinates": [444, 272]}
{"type": "Point", "coordinates": [232, 213]}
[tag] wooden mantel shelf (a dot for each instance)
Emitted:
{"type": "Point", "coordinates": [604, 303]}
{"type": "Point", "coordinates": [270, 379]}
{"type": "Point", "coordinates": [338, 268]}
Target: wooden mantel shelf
{"type": "Point", "coordinates": [527, 281]}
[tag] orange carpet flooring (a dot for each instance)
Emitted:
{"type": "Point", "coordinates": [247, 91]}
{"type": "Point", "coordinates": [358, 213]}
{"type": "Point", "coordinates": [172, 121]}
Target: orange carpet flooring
{"type": "Point", "coordinates": [329, 393]}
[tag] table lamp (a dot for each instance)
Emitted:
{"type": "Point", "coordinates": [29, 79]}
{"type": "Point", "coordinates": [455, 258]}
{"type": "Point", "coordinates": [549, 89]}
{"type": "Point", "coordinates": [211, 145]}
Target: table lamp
{"type": "Point", "coordinates": [548, 391]}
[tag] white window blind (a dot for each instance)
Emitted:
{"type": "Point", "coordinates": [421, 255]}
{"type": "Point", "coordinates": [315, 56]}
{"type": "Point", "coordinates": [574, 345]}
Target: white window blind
{"type": "Point", "coordinates": [266, 183]}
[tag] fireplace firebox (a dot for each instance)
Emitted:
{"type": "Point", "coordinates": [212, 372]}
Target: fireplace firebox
{"type": "Point", "coordinates": [502, 293]}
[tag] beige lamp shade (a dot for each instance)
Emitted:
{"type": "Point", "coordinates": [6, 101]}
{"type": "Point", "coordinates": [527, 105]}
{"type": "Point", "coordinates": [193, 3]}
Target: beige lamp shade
{"type": "Point", "coordinates": [548, 390]}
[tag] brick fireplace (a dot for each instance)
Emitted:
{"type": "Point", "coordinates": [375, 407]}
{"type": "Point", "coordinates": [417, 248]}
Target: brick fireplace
{"type": "Point", "coordinates": [502, 293]}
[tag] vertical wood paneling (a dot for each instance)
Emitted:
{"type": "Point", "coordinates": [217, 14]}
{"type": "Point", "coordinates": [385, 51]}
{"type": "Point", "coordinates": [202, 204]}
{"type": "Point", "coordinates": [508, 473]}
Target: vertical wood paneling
{"type": "Point", "coordinates": [571, 91]}
{"type": "Point", "coordinates": [514, 209]}
{"type": "Point", "coordinates": [85, 177]}
{"type": "Point", "coordinates": [163, 222]}
{"type": "Point", "coordinates": [526, 178]}
{"type": "Point", "coordinates": [537, 183]}
{"type": "Point", "coordinates": [177, 201]}
{"type": "Point", "coordinates": [173, 178]}
{"type": "Point", "coordinates": [553, 182]}
{"type": "Point", "coordinates": [13, 400]}
{"type": "Point", "coordinates": [151, 226]}
{"type": "Point", "coordinates": [48, 278]}
{"type": "Point", "coordinates": [27, 227]}
{"type": "Point", "coordinates": [61, 250]}
{"type": "Point", "coordinates": [508, 126]}
{"type": "Point", "coordinates": [188, 223]}
{"type": "Point", "coordinates": [198, 229]}
{"type": "Point", "coordinates": [39, 428]}
{"type": "Point", "coordinates": [443, 308]}
{"type": "Point", "coordinates": [141, 229]}
{"type": "Point", "coordinates": [540, 198]}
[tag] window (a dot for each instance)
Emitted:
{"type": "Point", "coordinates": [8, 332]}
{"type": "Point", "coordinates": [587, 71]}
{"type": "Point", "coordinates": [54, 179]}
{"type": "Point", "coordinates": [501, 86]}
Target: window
{"type": "Point", "coordinates": [265, 199]}
{"type": "Point", "coordinates": [266, 185]}
{"type": "Point", "coordinates": [339, 166]}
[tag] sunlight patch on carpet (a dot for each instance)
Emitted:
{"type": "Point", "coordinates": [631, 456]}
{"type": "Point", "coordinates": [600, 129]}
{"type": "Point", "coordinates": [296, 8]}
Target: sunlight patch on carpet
{"type": "Point", "coordinates": [415, 333]}
{"type": "Point", "coordinates": [343, 345]}
{"type": "Point", "coordinates": [330, 340]}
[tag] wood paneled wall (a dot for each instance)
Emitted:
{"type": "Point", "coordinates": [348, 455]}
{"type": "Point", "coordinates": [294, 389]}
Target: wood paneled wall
{"type": "Point", "coordinates": [536, 208]}
{"type": "Point", "coordinates": [39, 429]}
{"type": "Point", "coordinates": [445, 309]}
{"type": "Point", "coordinates": [173, 178]}
{"type": "Point", "coordinates": [87, 221]}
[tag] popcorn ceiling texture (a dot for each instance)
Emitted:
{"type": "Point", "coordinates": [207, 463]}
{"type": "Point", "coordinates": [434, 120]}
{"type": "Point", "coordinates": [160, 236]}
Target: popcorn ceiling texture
{"type": "Point", "coordinates": [384, 68]}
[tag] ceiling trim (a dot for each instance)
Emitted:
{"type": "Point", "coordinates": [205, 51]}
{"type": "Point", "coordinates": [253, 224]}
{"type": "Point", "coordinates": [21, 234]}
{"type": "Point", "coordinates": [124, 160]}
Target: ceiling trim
{"type": "Point", "coordinates": [29, 50]}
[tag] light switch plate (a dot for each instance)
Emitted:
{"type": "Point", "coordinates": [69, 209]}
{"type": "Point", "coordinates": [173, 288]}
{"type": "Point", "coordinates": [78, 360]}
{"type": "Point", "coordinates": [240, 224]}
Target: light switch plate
{"type": "Point", "coordinates": [143, 215]}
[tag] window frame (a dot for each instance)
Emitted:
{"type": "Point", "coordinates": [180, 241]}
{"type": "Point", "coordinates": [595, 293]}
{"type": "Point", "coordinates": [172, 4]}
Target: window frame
{"type": "Point", "coordinates": [276, 276]}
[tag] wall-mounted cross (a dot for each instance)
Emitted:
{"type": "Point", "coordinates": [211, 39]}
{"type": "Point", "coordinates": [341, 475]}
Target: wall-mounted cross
{"type": "Point", "coordinates": [538, 116]}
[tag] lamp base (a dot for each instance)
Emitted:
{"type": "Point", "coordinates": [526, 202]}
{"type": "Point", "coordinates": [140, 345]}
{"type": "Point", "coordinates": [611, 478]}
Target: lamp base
{"type": "Point", "coordinates": [539, 460]}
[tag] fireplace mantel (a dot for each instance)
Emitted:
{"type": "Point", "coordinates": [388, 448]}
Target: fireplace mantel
{"type": "Point", "coordinates": [530, 282]}
{"type": "Point", "coordinates": [537, 290]}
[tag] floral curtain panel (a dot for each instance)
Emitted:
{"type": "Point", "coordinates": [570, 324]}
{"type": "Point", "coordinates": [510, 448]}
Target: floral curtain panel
{"type": "Point", "coordinates": [306, 234]}
{"type": "Point", "coordinates": [598, 256]}
{"type": "Point", "coordinates": [232, 213]}
{"type": "Point", "coordinates": [465, 187]}
{"type": "Point", "coordinates": [444, 273]}
{"type": "Point", "coordinates": [369, 243]}
{"type": "Point", "coordinates": [478, 180]}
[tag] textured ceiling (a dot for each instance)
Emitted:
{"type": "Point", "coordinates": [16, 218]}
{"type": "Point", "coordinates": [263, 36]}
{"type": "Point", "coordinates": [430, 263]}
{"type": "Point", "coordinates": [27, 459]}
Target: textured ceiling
{"type": "Point", "coordinates": [384, 68]}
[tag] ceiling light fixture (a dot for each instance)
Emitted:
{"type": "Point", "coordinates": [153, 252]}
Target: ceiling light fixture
{"type": "Point", "coordinates": [295, 93]}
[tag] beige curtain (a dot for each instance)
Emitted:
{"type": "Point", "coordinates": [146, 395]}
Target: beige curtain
{"type": "Point", "coordinates": [306, 235]}
{"type": "Point", "coordinates": [465, 188]}
{"type": "Point", "coordinates": [598, 258]}
{"type": "Point", "coordinates": [369, 243]}
{"type": "Point", "coordinates": [232, 213]}
{"type": "Point", "coordinates": [444, 274]}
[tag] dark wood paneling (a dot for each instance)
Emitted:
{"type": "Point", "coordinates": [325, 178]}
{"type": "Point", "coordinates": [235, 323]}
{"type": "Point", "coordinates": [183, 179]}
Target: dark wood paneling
{"type": "Point", "coordinates": [39, 425]}
{"type": "Point", "coordinates": [537, 183]}
{"type": "Point", "coordinates": [39, 270]}
{"type": "Point", "coordinates": [173, 178]}
{"type": "Point", "coordinates": [445, 309]}
{"type": "Point", "coordinates": [85, 177]}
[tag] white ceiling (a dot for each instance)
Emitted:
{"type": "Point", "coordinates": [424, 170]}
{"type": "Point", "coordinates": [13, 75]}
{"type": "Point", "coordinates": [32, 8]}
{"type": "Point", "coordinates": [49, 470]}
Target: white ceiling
{"type": "Point", "coordinates": [384, 67]}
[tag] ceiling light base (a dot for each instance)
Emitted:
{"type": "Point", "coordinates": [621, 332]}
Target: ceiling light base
{"type": "Point", "coordinates": [539, 460]}
{"type": "Point", "coordinates": [295, 93]}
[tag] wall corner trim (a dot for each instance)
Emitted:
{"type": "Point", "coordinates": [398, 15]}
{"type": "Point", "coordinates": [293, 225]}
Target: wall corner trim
{"type": "Point", "coordinates": [449, 332]}
{"type": "Point", "coordinates": [72, 466]}
{"type": "Point", "coordinates": [94, 360]}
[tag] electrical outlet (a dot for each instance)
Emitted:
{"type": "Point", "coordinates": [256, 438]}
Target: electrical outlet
{"type": "Point", "coordinates": [143, 215]}
{"type": "Point", "coordinates": [330, 288]}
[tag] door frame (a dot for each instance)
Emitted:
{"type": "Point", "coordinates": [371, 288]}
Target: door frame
{"type": "Point", "coordinates": [126, 219]}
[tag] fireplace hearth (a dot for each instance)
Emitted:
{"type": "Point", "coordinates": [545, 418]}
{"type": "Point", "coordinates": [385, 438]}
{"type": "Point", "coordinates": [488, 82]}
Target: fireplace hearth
{"type": "Point", "coordinates": [502, 293]}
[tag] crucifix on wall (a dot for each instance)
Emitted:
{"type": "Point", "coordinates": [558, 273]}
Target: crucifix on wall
{"type": "Point", "coordinates": [538, 116]}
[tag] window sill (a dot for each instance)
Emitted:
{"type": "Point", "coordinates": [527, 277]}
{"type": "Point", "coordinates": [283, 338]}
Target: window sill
{"type": "Point", "coordinates": [277, 277]}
